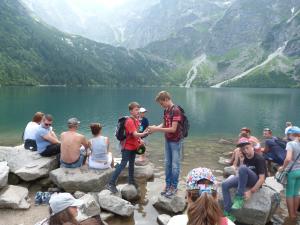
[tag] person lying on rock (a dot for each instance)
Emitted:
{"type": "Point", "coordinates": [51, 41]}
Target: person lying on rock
{"type": "Point", "coordinates": [250, 175]}
{"type": "Point", "coordinates": [63, 210]}
{"type": "Point", "coordinates": [203, 207]}
{"type": "Point", "coordinates": [46, 139]}
{"type": "Point", "coordinates": [73, 155]}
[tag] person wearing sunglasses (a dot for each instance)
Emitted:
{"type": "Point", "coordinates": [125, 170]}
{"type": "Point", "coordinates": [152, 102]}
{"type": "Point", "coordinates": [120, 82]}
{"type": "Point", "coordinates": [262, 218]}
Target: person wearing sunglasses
{"type": "Point", "coordinates": [203, 207]}
{"type": "Point", "coordinates": [46, 140]}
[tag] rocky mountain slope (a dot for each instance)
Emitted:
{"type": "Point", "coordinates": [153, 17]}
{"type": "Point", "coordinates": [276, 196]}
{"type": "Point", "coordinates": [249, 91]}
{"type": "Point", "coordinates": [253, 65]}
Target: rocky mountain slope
{"type": "Point", "coordinates": [33, 53]}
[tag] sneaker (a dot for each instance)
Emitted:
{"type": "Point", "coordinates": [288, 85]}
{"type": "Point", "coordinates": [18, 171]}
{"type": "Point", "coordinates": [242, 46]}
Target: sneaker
{"type": "Point", "coordinates": [165, 191]}
{"type": "Point", "coordinates": [238, 202]}
{"type": "Point", "coordinates": [45, 197]}
{"type": "Point", "coordinates": [112, 188]}
{"type": "Point", "coordinates": [38, 198]}
{"type": "Point", "coordinates": [229, 216]}
{"type": "Point", "coordinates": [171, 192]}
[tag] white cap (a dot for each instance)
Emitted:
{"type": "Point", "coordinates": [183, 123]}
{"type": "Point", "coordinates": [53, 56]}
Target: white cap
{"type": "Point", "coordinates": [59, 202]}
{"type": "Point", "coordinates": [143, 110]}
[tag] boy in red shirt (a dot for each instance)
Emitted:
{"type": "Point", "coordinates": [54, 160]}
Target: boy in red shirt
{"type": "Point", "coordinates": [129, 147]}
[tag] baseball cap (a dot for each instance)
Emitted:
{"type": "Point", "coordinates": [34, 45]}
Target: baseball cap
{"type": "Point", "coordinates": [143, 110]}
{"type": "Point", "coordinates": [242, 142]}
{"type": "Point", "coordinates": [197, 174]}
{"type": "Point", "coordinates": [73, 121]}
{"type": "Point", "coordinates": [246, 129]}
{"type": "Point", "coordinates": [294, 130]}
{"type": "Point", "coordinates": [59, 202]}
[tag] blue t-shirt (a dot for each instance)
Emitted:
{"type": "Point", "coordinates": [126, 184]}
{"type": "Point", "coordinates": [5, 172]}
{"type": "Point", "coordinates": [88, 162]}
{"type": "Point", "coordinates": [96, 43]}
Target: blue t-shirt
{"type": "Point", "coordinates": [275, 148]}
{"type": "Point", "coordinates": [144, 123]}
{"type": "Point", "coordinates": [40, 141]}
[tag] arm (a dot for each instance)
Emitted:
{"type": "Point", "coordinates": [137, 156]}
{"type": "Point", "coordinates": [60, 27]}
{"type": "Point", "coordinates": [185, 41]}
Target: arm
{"type": "Point", "coordinates": [287, 160]}
{"type": "Point", "coordinates": [85, 142]}
{"type": "Point", "coordinates": [261, 180]}
{"type": "Point", "coordinates": [160, 128]}
{"type": "Point", "coordinates": [52, 139]}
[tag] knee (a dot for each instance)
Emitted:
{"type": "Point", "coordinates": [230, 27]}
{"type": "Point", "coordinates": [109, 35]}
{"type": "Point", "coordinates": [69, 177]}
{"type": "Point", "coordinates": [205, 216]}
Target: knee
{"type": "Point", "coordinates": [224, 186]}
{"type": "Point", "coordinates": [243, 169]}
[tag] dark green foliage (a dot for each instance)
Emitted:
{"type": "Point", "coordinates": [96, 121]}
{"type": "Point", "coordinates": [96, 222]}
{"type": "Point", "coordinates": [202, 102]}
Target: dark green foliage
{"type": "Point", "coordinates": [33, 53]}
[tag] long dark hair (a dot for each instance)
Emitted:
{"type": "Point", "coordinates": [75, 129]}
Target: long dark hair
{"type": "Point", "coordinates": [203, 210]}
{"type": "Point", "coordinates": [62, 217]}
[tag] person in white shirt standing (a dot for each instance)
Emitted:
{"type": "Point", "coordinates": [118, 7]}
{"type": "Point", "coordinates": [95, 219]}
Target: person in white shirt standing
{"type": "Point", "coordinates": [30, 131]}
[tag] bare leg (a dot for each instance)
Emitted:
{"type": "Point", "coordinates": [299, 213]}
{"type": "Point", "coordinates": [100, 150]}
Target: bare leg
{"type": "Point", "coordinates": [290, 205]}
{"type": "Point", "coordinates": [296, 204]}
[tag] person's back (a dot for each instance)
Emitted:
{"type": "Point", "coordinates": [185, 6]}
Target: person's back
{"type": "Point", "coordinates": [70, 146]}
{"type": "Point", "coordinates": [40, 141]}
{"type": "Point", "coordinates": [99, 148]}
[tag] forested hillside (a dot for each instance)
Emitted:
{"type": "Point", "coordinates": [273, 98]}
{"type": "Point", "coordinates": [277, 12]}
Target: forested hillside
{"type": "Point", "coordinates": [33, 53]}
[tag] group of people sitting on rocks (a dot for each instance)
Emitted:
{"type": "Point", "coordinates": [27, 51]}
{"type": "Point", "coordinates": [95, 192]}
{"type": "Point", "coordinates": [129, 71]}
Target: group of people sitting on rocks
{"type": "Point", "coordinates": [250, 162]}
{"type": "Point", "coordinates": [248, 159]}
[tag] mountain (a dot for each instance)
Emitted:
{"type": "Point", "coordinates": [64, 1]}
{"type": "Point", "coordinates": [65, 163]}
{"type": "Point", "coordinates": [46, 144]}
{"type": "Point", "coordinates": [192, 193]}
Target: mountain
{"type": "Point", "coordinates": [32, 53]}
{"type": "Point", "coordinates": [243, 43]}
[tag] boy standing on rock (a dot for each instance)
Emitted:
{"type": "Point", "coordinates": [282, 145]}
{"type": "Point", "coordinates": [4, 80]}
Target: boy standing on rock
{"type": "Point", "coordinates": [129, 146]}
{"type": "Point", "coordinates": [173, 143]}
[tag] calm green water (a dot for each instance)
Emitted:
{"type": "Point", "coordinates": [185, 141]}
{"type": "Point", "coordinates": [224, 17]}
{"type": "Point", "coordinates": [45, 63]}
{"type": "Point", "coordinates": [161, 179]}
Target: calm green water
{"type": "Point", "coordinates": [212, 112]}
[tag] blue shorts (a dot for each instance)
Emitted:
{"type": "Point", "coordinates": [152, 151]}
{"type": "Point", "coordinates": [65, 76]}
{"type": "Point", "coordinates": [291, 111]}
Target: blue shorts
{"type": "Point", "coordinates": [77, 163]}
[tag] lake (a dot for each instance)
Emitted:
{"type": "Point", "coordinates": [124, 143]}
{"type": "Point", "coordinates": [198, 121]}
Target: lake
{"type": "Point", "coordinates": [213, 114]}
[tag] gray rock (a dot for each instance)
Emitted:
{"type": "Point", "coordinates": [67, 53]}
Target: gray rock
{"type": "Point", "coordinates": [89, 208]}
{"type": "Point", "coordinates": [106, 215]}
{"type": "Point", "coordinates": [80, 179]}
{"type": "Point", "coordinates": [163, 219]}
{"type": "Point", "coordinates": [228, 170]}
{"type": "Point", "coordinates": [26, 164]}
{"type": "Point", "coordinates": [14, 197]}
{"type": "Point", "coordinates": [225, 142]}
{"type": "Point", "coordinates": [224, 161]}
{"type": "Point", "coordinates": [4, 170]}
{"type": "Point", "coordinates": [259, 209]}
{"type": "Point", "coordinates": [114, 204]}
{"type": "Point", "coordinates": [175, 204]}
{"type": "Point", "coordinates": [130, 193]}
{"type": "Point", "coordinates": [142, 172]}
{"type": "Point", "coordinates": [79, 194]}
{"type": "Point", "coordinates": [273, 184]}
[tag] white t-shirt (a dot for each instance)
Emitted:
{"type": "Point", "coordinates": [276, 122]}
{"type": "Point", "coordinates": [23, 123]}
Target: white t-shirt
{"type": "Point", "coordinates": [183, 219]}
{"type": "Point", "coordinates": [30, 130]}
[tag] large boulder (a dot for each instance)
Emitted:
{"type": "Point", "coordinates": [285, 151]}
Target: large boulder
{"type": "Point", "coordinates": [259, 209]}
{"type": "Point", "coordinates": [81, 179]}
{"type": "Point", "coordinates": [14, 197]}
{"type": "Point", "coordinates": [26, 164]}
{"type": "Point", "coordinates": [228, 170]}
{"type": "Point", "coordinates": [171, 205]}
{"type": "Point", "coordinates": [115, 204]}
{"type": "Point", "coordinates": [4, 170]}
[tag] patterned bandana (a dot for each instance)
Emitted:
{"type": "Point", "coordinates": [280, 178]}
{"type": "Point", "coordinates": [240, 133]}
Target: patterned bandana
{"type": "Point", "coordinates": [197, 174]}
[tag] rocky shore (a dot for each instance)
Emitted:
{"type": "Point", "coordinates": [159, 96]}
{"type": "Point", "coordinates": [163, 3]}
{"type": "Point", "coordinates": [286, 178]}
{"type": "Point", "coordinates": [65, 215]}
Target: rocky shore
{"type": "Point", "coordinates": [20, 169]}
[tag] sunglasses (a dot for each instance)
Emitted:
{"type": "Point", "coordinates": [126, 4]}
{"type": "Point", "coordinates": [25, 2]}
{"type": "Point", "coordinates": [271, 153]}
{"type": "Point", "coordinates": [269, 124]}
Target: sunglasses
{"type": "Point", "coordinates": [47, 124]}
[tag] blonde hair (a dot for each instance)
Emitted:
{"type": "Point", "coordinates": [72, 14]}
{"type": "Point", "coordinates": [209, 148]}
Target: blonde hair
{"type": "Point", "coordinates": [163, 96]}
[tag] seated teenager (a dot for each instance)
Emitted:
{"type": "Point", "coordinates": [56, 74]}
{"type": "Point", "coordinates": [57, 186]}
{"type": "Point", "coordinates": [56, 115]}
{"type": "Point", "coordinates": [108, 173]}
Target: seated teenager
{"type": "Point", "coordinates": [30, 131]}
{"type": "Point", "coordinates": [46, 140]}
{"type": "Point", "coordinates": [203, 207]}
{"type": "Point", "coordinates": [72, 153]}
{"type": "Point", "coordinates": [250, 175]}
{"type": "Point", "coordinates": [100, 156]}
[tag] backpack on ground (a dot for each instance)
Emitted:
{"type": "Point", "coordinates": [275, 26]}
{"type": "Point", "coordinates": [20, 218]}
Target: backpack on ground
{"type": "Point", "coordinates": [184, 123]}
{"type": "Point", "coordinates": [120, 132]}
{"type": "Point", "coordinates": [282, 143]}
